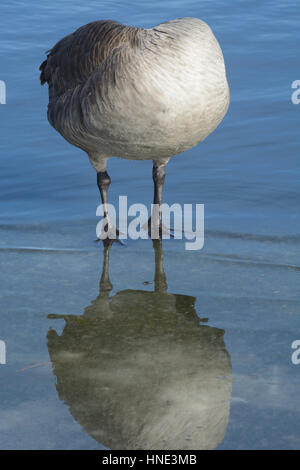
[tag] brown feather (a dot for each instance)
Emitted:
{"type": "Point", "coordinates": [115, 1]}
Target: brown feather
{"type": "Point", "coordinates": [75, 57]}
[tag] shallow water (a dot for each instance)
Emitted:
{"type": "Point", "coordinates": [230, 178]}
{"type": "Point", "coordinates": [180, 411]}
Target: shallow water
{"type": "Point", "coordinates": [201, 358]}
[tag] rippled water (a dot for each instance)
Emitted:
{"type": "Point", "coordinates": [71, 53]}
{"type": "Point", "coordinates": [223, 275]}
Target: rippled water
{"type": "Point", "coordinates": [143, 362]}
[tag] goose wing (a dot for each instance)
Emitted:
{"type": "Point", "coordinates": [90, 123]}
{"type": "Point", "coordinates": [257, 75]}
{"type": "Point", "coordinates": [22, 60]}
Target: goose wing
{"type": "Point", "coordinates": [75, 57]}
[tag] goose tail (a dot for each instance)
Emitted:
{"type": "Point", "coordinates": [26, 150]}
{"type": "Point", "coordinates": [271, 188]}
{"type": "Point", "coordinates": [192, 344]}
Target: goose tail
{"type": "Point", "coordinates": [42, 75]}
{"type": "Point", "coordinates": [42, 68]}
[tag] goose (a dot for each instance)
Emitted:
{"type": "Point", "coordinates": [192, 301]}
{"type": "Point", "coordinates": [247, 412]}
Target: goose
{"type": "Point", "coordinates": [136, 93]}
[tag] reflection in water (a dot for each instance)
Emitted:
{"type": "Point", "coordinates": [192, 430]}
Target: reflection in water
{"type": "Point", "coordinates": [139, 371]}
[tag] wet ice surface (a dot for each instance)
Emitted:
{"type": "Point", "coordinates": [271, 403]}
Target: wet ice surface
{"type": "Point", "coordinates": [202, 357]}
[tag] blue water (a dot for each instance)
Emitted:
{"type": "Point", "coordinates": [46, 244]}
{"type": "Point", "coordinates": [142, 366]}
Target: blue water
{"type": "Point", "coordinates": [71, 389]}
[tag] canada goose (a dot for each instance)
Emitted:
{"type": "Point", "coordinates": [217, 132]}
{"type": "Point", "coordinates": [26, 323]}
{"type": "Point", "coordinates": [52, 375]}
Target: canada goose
{"type": "Point", "coordinates": [138, 370]}
{"type": "Point", "coordinates": [136, 93]}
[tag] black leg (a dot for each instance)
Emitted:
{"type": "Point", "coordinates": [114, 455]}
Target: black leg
{"type": "Point", "coordinates": [109, 232]}
{"type": "Point", "coordinates": [155, 221]}
{"type": "Point", "coordinates": [158, 175]}
{"type": "Point", "coordinates": [103, 181]}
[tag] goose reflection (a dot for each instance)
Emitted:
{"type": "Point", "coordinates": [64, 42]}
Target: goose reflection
{"type": "Point", "coordinates": [139, 371]}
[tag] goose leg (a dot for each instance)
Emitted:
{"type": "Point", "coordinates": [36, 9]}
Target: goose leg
{"type": "Point", "coordinates": [155, 226]}
{"type": "Point", "coordinates": [109, 232]}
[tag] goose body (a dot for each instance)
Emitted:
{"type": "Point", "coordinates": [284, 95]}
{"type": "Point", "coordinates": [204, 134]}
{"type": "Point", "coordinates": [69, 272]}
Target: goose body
{"type": "Point", "coordinates": [136, 93]}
